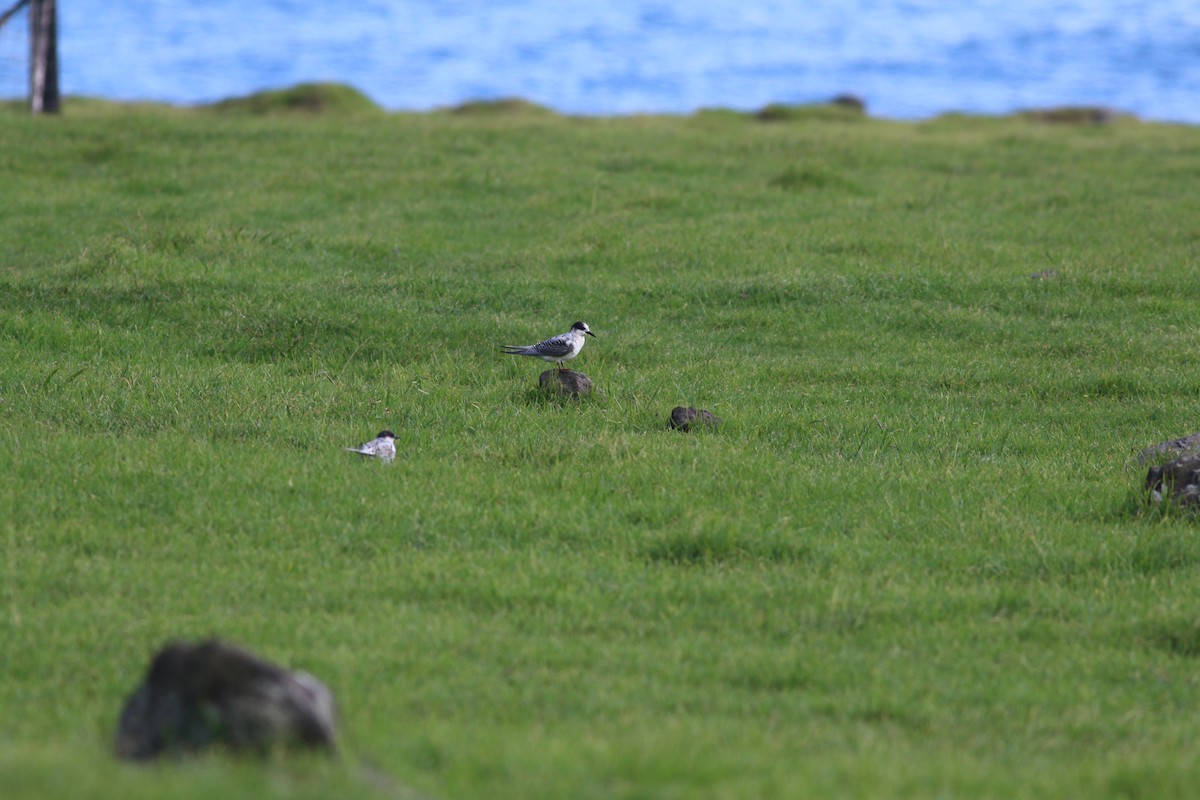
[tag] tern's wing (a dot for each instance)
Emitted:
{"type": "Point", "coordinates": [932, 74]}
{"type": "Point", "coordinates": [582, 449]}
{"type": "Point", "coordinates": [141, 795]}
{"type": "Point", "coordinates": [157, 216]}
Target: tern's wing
{"type": "Point", "coordinates": [554, 346]}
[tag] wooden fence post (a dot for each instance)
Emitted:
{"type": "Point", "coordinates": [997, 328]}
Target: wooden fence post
{"type": "Point", "coordinates": [43, 57]}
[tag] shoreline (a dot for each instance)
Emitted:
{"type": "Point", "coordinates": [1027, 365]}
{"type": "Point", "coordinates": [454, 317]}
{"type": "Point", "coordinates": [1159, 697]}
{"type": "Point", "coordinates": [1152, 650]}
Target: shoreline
{"type": "Point", "coordinates": [331, 97]}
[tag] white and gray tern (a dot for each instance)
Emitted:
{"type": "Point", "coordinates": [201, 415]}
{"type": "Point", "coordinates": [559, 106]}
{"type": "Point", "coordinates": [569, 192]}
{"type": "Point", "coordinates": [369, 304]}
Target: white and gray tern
{"type": "Point", "coordinates": [382, 447]}
{"type": "Point", "coordinates": [556, 349]}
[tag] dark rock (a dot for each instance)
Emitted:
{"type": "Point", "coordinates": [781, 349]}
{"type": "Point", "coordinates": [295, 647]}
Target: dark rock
{"type": "Point", "coordinates": [1044, 275]}
{"type": "Point", "coordinates": [565, 381]}
{"type": "Point", "coordinates": [1072, 115]}
{"type": "Point", "coordinates": [1177, 481]}
{"type": "Point", "coordinates": [682, 418]}
{"type": "Point", "coordinates": [210, 693]}
{"type": "Point", "coordinates": [1175, 447]}
{"type": "Point", "coordinates": [850, 101]}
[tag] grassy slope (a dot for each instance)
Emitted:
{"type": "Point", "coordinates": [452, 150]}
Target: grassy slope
{"type": "Point", "coordinates": [911, 563]}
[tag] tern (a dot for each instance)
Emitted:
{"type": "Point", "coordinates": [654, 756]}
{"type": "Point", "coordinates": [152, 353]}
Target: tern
{"type": "Point", "coordinates": [382, 447]}
{"type": "Point", "coordinates": [556, 349]}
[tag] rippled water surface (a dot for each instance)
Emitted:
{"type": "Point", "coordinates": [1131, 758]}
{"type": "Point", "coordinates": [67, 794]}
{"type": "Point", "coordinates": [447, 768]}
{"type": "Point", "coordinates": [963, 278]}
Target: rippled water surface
{"type": "Point", "coordinates": [907, 59]}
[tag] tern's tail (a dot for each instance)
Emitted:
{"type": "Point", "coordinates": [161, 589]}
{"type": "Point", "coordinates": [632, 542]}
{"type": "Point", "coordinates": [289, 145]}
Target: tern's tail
{"type": "Point", "coordinates": [518, 350]}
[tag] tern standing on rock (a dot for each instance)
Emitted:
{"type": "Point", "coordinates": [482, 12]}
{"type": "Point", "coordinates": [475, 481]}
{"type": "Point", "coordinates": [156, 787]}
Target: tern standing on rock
{"type": "Point", "coordinates": [556, 349]}
{"type": "Point", "coordinates": [382, 447]}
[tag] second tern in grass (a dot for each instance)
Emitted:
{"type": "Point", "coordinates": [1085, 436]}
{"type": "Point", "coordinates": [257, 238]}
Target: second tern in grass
{"type": "Point", "coordinates": [382, 447]}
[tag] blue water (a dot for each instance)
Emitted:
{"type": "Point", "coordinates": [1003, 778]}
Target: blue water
{"type": "Point", "coordinates": [906, 58]}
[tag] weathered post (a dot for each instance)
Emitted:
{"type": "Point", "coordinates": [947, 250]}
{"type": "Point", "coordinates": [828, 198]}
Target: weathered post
{"type": "Point", "coordinates": [43, 57]}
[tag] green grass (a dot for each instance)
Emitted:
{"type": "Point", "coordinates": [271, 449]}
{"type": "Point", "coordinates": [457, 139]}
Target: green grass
{"type": "Point", "coordinates": [912, 562]}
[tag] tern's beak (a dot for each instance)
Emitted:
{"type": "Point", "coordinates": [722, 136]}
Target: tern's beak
{"type": "Point", "coordinates": [589, 333]}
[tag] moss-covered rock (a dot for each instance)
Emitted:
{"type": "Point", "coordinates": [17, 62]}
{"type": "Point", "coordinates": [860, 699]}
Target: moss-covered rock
{"type": "Point", "coordinates": [832, 111]}
{"type": "Point", "coordinates": [504, 106]}
{"type": "Point", "coordinates": [310, 98]}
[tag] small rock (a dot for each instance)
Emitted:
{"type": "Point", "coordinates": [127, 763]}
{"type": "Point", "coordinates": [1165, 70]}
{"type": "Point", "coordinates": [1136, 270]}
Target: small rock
{"type": "Point", "coordinates": [683, 418]}
{"type": "Point", "coordinates": [568, 382]}
{"type": "Point", "coordinates": [1175, 447]}
{"type": "Point", "coordinates": [210, 693]}
{"type": "Point", "coordinates": [1177, 480]}
{"type": "Point", "coordinates": [1044, 275]}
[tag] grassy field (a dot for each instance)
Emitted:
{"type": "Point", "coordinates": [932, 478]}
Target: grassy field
{"type": "Point", "coordinates": [913, 562]}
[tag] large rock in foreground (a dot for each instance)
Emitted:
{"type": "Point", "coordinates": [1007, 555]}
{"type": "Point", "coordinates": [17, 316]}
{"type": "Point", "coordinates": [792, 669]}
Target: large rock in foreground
{"type": "Point", "coordinates": [1184, 445]}
{"type": "Point", "coordinates": [565, 381]}
{"type": "Point", "coordinates": [210, 693]}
